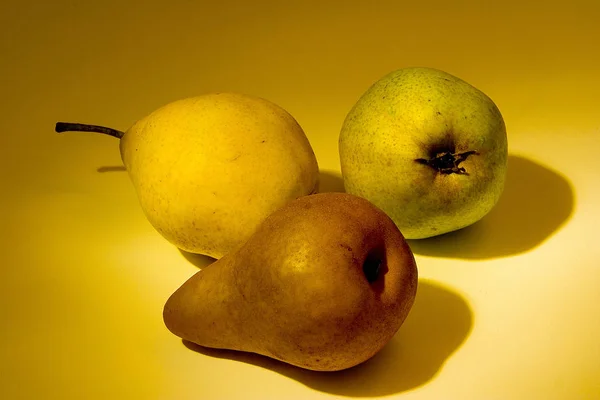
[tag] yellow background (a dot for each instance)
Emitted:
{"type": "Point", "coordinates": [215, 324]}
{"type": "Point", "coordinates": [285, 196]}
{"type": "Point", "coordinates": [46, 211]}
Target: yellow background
{"type": "Point", "coordinates": [507, 309]}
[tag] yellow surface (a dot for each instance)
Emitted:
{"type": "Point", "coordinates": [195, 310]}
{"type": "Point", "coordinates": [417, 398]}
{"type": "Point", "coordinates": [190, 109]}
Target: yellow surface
{"type": "Point", "coordinates": [507, 309]}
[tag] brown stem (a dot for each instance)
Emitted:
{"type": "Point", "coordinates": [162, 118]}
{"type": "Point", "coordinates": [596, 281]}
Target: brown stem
{"type": "Point", "coordinates": [74, 127]}
{"type": "Point", "coordinates": [447, 162]}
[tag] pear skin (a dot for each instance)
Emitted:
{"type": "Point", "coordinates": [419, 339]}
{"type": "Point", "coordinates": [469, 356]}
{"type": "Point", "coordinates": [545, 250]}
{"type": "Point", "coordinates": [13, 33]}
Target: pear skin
{"type": "Point", "coordinates": [323, 284]}
{"type": "Point", "coordinates": [208, 169]}
{"type": "Point", "coordinates": [427, 148]}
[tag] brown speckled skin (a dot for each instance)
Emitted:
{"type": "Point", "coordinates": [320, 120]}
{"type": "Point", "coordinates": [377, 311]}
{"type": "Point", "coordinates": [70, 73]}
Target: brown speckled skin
{"type": "Point", "coordinates": [296, 290]}
{"type": "Point", "coordinates": [411, 113]}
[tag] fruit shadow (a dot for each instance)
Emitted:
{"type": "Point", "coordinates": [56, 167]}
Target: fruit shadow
{"type": "Point", "coordinates": [111, 168]}
{"type": "Point", "coordinates": [199, 260]}
{"type": "Point", "coordinates": [535, 203]}
{"type": "Point", "coordinates": [437, 325]}
{"type": "Point", "coordinates": [330, 181]}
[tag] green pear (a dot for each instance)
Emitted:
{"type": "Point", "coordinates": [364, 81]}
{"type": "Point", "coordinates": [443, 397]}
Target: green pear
{"type": "Point", "coordinates": [208, 169]}
{"type": "Point", "coordinates": [323, 284]}
{"type": "Point", "coordinates": [427, 148]}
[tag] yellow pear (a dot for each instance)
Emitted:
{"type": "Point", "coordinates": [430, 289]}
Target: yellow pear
{"type": "Point", "coordinates": [323, 284]}
{"type": "Point", "coordinates": [208, 169]}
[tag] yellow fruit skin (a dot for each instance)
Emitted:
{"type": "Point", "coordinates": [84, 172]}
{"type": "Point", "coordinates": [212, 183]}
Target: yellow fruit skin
{"type": "Point", "coordinates": [209, 169]}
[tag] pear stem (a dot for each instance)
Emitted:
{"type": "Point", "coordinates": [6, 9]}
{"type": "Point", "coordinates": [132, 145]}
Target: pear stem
{"type": "Point", "coordinates": [75, 127]}
{"type": "Point", "coordinates": [447, 162]}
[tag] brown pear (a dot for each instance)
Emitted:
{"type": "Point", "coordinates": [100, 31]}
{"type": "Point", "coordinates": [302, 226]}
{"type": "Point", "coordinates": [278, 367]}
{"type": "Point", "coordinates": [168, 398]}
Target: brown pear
{"type": "Point", "coordinates": [323, 284]}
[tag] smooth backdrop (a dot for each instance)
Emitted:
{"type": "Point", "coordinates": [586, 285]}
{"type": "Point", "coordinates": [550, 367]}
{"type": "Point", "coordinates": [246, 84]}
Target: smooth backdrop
{"type": "Point", "coordinates": [507, 309]}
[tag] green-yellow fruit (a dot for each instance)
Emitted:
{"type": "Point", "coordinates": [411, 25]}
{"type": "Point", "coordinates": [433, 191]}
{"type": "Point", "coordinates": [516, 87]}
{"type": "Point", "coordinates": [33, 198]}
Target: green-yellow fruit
{"type": "Point", "coordinates": [324, 283]}
{"type": "Point", "coordinates": [209, 169]}
{"type": "Point", "coordinates": [427, 148]}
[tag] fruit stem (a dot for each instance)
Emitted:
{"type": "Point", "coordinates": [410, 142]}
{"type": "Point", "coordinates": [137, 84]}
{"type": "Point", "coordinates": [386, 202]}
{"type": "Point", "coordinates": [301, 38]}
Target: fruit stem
{"type": "Point", "coordinates": [446, 162]}
{"type": "Point", "coordinates": [74, 127]}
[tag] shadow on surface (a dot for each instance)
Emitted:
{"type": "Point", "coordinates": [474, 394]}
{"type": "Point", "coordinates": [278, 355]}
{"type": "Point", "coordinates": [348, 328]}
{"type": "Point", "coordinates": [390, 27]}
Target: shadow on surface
{"type": "Point", "coordinates": [199, 260]}
{"type": "Point", "coordinates": [535, 203]}
{"type": "Point", "coordinates": [437, 325]}
{"type": "Point", "coordinates": [112, 168]}
{"type": "Point", "coordinates": [330, 181]}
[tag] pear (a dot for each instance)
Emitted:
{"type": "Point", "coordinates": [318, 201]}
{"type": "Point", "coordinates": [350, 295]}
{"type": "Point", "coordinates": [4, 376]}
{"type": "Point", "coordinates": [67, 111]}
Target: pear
{"type": "Point", "coordinates": [208, 169]}
{"type": "Point", "coordinates": [323, 284]}
{"type": "Point", "coordinates": [426, 147]}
